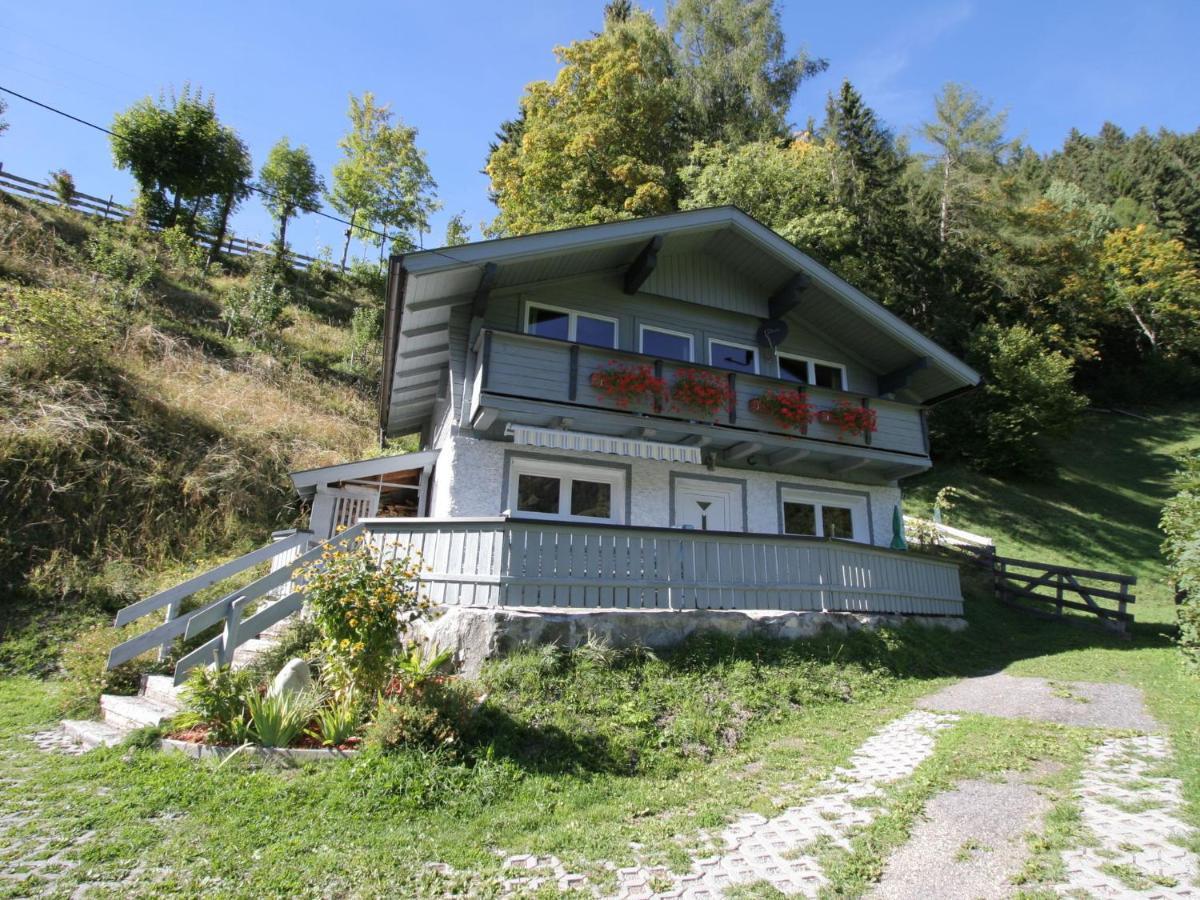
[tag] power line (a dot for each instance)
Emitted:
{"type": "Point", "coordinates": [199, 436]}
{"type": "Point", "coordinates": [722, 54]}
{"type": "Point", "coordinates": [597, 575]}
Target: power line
{"type": "Point", "coordinates": [253, 187]}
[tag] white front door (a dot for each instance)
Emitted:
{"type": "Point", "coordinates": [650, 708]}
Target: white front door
{"type": "Point", "coordinates": [708, 505]}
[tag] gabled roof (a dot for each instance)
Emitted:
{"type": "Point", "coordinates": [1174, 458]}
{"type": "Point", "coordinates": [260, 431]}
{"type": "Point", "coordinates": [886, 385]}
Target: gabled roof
{"type": "Point", "coordinates": [425, 286]}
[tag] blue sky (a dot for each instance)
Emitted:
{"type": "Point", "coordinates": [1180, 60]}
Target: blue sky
{"type": "Point", "coordinates": [456, 69]}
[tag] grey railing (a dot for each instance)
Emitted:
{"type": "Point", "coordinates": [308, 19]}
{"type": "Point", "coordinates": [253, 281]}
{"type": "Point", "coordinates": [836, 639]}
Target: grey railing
{"type": "Point", "coordinates": [531, 563]}
{"type": "Point", "coordinates": [228, 610]}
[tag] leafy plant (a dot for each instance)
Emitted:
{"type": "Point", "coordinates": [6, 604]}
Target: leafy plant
{"type": "Point", "coordinates": [337, 720]}
{"type": "Point", "coordinates": [411, 670]}
{"type": "Point", "coordinates": [183, 253]}
{"type": "Point", "coordinates": [789, 408]}
{"type": "Point", "coordinates": [256, 310]}
{"type": "Point", "coordinates": [63, 185]}
{"type": "Point", "coordinates": [219, 699]}
{"type": "Point", "coordinates": [435, 717]}
{"type": "Point", "coordinates": [115, 254]}
{"type": "Point", "coordinates": [85, 668]}
{"type": "Point", "coordinates": [359, 606]}
{"type": "Point", "coordinates": [629, 384]}
{"type": "Point", "coordinates": [276, 720]}
{"type": "Point", "coordinates": [1181, 525]}
{"type": "Point", "coordinates": [701, 391]}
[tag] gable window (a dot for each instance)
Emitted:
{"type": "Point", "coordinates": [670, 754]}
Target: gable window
{"type": "Point", "coordinates": [738, 357]}
{"type": "Point", "coordinates": [569, 325]}
{"type": "Point", "coordinates": [555, 490]}
{"type": "Point", "coordinates": [830, 515]}
{"type": "Point", "coordinates": [799, 370]}
{"type": "Point", "coordinates": [666, 344]}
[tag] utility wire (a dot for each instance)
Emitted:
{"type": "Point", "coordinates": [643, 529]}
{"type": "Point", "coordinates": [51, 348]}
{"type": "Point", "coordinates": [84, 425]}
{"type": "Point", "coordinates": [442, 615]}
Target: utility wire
{"type": "Point", "coordinates": [253, 187]}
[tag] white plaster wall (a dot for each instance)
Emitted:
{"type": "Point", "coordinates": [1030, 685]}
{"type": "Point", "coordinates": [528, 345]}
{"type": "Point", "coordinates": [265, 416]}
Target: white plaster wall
{"type": "Point", "coordinates": [470, 473]}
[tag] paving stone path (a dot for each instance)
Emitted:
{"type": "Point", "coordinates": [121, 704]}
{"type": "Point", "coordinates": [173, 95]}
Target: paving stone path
{"type": "Point", "coordinates": [778, 850]}
{"type": "Point", "coordinates": [1133, 814]}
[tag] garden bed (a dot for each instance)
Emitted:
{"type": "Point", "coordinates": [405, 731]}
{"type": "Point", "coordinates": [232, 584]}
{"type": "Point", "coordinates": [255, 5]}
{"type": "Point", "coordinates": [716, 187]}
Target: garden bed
{"type": "Point", "coordinates": [286, 754]}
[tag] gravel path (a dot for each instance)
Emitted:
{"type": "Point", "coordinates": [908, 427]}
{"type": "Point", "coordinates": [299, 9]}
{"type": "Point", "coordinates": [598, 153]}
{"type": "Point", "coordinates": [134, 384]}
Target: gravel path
{"type": "Point", "coordinates": [1081, 703]}
{"type": "Point", "coordinates": [971, 844]}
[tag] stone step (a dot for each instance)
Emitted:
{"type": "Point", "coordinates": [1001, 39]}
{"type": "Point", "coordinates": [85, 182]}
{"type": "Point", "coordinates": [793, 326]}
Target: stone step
{"type": "Point", "coordinates": [130, 713]}
{"type": "Point", "coordinates": [248, 652]}
{"type": "Point", "coordinates": [92, 734]}
{"type": "Point", "coordinates": [162, 690]}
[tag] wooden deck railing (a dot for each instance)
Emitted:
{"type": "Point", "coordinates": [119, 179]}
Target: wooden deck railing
{"type": "Point", "coordinates": [1050, 590]}
{"type": "Point", "coordinates": [227, 610]}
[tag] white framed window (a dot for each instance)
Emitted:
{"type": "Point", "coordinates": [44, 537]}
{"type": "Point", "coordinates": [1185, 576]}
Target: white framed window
{"type": "Point", "coordinates": [814, 513]}
{"type": "Point", "coordinates": [665, 344]}
{"type": "Point", "coordinates": [547, 489]}
{"type": "Point", "coordinates": [571, 325]}
{"type": "Point", "coordinates": [816, 372]}
{"type": "Point", "coordinates": [729, 355]}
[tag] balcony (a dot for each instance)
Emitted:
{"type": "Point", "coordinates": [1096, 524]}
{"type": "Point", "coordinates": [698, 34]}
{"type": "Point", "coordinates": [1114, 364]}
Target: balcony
{"type": "Point", "coordinates": [528, 380]}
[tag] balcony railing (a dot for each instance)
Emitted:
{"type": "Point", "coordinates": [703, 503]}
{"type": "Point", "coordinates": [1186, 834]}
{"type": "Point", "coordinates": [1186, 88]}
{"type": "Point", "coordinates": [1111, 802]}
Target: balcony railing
{"type": "Point", "coordinates": [555, 371]}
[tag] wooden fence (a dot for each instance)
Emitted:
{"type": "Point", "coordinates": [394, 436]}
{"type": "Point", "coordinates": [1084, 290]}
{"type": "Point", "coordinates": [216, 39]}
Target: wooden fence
{"type": "Point", "coordinates": [109, 210]}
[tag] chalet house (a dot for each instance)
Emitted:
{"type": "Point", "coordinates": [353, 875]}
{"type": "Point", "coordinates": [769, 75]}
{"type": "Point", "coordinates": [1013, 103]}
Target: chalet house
{"type": "Point", "coordinates": [675, 412]}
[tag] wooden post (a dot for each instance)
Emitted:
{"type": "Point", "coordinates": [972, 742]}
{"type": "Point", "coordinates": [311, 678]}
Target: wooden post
{"type": "Point", "coordinates": [1059, 596]}
{"type": "Point", "coordinates": [803, 400]}
{"type": "Point", "coordinates": [573, 377]}
{"type": "Point", "coordinates": [658, 373]}
{"type": "Point", "coordinates": [732, 399]}
{"type": "Point", "coordinates": [107, 207]}
{"type": "Point", "coordinates": [229, 637]}
{"type": "Point", "coordinates": [866, 404]}
{"type": "Point", "coordinates": [172, 612]}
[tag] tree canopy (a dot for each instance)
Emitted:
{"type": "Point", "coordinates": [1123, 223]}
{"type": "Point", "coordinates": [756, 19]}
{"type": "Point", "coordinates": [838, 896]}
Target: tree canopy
{"type": "Point", "coordinates": [290, 182]}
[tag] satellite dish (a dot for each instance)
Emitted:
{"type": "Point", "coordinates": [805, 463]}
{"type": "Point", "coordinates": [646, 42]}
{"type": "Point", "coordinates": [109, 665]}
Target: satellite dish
{"type": "Point", "coordinates": [772, 333]}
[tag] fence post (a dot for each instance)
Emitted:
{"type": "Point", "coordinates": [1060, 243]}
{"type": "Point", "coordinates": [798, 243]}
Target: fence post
{"type": "Point", "coordinates": [229, 638]}
{"type": "Point", "coordinates": [172, 612]}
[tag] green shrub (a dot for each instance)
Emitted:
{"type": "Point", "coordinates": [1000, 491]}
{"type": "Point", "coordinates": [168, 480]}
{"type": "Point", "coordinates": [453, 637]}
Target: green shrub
{"type": "Point", "coordinates": [368, 277]}
{"type": "Point", "coordinates": [276, 720]}
{"type": "Point", "coordinates": [256, 310]}
{"type": "Point", "coordinates": [53, 329]}
{"type": "Point", "coordinates": [359, 606]}
{"type": "Point", "coordinates": [218, 698]}
{"type": "Point", "coordinates": [435, 716]}
{"type": "Point", "coordinates": [115, 253]}
{"type": "Point", "coordinates": [1181, 525]}
{"type": "Point", "coordinates": [63, 184]}
{"type": "Point", "coordinates": [1027, 397]}
{"type": "Point", "coordinates": [184, 255]}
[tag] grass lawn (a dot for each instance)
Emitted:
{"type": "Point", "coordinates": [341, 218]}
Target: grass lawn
{"type": "Point", "coordinates": [582, 757]}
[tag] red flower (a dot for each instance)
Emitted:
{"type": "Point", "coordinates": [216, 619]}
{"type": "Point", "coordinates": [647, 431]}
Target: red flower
{"type": "Point", "coordinates": [628, 383]}
{"type": "Point", "coordinates": [698, 390]}
{"type": "Point", "coordinates": [849, 418]}
{"type": "Point", "coordinates": [789, 408]}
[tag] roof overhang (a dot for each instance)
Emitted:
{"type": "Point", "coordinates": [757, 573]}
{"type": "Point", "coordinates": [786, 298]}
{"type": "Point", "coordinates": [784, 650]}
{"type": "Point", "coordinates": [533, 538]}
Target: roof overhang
{"type": "Point", "coordinates": [308, 480]}
{"type": "Point", "coordinates": [426, 286]}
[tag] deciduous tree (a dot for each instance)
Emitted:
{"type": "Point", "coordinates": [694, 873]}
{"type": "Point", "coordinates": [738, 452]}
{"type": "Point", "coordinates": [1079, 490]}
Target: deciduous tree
{"type": "Point", "coordinates": [291, 182]}
{"type": "Point", "coordinates": [1152, 279]}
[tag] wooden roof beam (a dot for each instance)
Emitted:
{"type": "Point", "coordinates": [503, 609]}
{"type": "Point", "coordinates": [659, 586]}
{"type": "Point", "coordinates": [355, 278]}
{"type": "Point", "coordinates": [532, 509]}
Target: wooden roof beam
{"type": "Point", "coordinates": [848, 464]}
{"type": "Point", "coordinates": [639, 270]}
{"type": "Point", "coordinates": [741, 451]}
{"type": "Point", "coordinates": [787, 297]}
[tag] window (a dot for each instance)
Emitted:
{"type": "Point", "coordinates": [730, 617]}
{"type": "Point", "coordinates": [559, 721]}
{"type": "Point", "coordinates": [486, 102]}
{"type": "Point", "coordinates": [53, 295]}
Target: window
{"type": "Point", "coordinates": [568, 325]}
{"type": "Point", "coordinates": [737, 357]}
{"type": "Point", "coordinates": [799, 370]}
{"type": "Point", "coordinates": [666, 344]}
{"type": "Point", "coordinates": [831, 515]}
{"type": "Point", "coordinates": [555, 490]}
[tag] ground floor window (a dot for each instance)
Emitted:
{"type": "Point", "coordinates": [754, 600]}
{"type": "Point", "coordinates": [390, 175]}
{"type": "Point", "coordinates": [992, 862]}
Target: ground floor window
{"type": "Point", "coordinates": [556, 490]}
{"type": "Point", "coordinates": [824, 514]}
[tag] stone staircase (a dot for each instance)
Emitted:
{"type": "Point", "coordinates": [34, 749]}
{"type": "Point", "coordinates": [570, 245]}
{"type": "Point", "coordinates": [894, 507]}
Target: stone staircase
{"type": "Point", "coordinates": [158, 700]}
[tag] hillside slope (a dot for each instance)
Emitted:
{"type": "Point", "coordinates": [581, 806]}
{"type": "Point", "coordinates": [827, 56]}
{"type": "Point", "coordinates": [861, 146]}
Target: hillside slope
{"type": "Point", "coordinates": [137, 437]}
{"type": "Point", "coordinates": [1102, 509]}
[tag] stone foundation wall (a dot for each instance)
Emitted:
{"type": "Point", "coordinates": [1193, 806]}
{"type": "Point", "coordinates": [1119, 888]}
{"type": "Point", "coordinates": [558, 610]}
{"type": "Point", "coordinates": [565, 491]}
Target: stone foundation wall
{"type": "Point", "coordinates": [477, 634]}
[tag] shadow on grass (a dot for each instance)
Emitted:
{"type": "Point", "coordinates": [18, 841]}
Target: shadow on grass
{"type": "Point", "coordinates": [538, 723]}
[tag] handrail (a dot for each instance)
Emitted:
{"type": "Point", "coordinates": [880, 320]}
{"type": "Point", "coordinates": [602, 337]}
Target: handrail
{"type": "Point", "coordinates": [212, 576]}
{"type": "Point", "coordinates": [229, 608]}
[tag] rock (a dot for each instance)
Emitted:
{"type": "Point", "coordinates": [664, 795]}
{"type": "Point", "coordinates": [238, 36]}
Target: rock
{"type": "Point", "coordinates": [292, 678]}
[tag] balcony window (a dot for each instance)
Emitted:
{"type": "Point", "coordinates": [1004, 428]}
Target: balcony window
{"type": "Point", "coordinates": [799, 370]}
{"type": "Point", "coordinates": [666, 344]}
{"type": "Point", "coordinates": [554, 490]}
{"type": "Point", "coordinates": [569, 325]}
{"type": "Point", "coordinates": [737, 357]}
{"type": "Point", "coordinates": [830, 515]}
